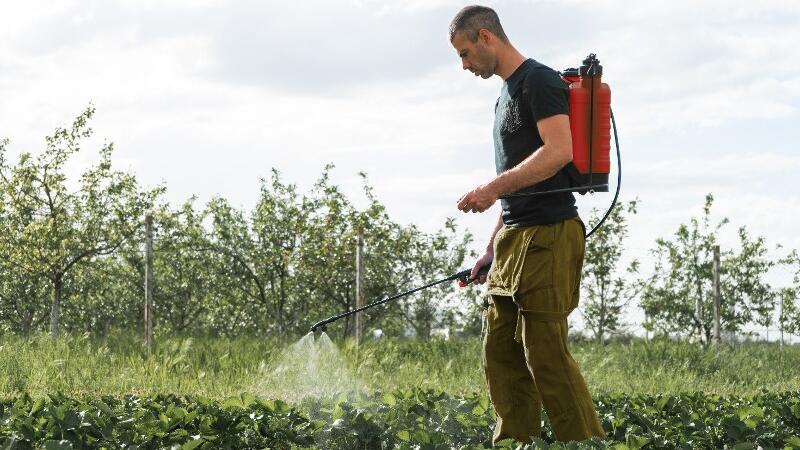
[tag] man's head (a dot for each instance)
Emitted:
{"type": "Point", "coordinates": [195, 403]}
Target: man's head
{"type": "Point", "coordinates": [477, 35]}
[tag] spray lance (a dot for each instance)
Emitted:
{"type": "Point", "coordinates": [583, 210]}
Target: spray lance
{"type": "Point", "coordinates": [591, 122]}
{"type": "Point", "coordinates": [462, 277]}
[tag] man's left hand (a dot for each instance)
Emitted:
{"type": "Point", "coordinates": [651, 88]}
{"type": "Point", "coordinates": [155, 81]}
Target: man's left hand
{"type": "Point", "coordinates": [478, 200]}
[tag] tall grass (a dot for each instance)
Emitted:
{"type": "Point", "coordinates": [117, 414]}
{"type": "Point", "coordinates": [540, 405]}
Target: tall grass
{"type": "Point", "coordinates": [220, 368]}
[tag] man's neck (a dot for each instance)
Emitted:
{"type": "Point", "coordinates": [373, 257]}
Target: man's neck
{"type": "Point", "coordinates": [509, 62]}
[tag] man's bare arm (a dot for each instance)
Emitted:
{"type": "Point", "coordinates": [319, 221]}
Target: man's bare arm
{"type": "Point", "coordinates": [541, 165]}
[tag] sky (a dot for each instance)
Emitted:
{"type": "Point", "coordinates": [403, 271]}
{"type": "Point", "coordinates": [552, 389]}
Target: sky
{"type": "Point", "coordinates": [207, 96]}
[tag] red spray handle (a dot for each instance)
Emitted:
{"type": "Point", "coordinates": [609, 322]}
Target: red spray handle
{"type": "Point", "coordinates": [463, 277]}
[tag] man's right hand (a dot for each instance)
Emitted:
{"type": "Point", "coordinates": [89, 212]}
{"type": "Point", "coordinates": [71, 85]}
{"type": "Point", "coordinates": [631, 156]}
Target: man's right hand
{"type": "Point", "coordinates": [478, 275]}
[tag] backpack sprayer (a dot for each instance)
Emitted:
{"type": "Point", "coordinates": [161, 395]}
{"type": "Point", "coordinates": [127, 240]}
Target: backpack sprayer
{"type": "Point", "coordinates": [591, 121]}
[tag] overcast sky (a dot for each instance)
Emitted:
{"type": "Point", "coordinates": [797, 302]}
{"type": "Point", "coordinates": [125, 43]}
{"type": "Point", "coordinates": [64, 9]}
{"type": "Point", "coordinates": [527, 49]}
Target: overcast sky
{"type": "Point", "coordinates": [208, 96]}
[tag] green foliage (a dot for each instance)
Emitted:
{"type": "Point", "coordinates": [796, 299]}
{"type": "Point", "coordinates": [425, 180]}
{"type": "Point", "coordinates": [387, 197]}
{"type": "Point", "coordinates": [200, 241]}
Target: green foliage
{"type": "Point", "coordinates": [416, 394]}
{"type": "Point", "coordinates": [293, 259]}
{"type": "Point", "coordinates": [50, 228]}
{"type": "Point", "coordinates": [218, 269]}
{"type": "Point", "coordinates": [679, 297]}
{"type": "Point", "coordinates": [607, 291]}
{"type": "Point", "coordinates": [421, 419]}
{"type": "Point", "coordinates": [789, 314]}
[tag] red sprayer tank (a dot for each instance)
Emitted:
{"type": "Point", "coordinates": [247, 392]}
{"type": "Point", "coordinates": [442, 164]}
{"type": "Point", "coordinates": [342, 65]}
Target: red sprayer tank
{"type": "Point", "coordinates": [590, 122]}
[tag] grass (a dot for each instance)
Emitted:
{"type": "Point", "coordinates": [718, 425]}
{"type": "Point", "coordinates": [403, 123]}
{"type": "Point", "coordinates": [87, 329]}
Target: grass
{"type": "Point", "coordinates": [220, 368]}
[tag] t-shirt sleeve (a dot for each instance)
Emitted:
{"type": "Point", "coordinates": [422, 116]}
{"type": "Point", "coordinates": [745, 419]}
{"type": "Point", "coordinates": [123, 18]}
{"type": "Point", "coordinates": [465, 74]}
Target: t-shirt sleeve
{"type": "Point", "coordinates": [547, 94]}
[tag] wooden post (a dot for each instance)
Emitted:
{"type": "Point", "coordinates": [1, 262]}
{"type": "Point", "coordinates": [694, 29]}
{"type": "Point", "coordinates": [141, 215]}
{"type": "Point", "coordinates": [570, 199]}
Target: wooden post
{"type": "Point", "coordinates": [148, 284]}
{"type": "Point", "coordinates": [717, 299]}
{"type": "Point", "coordinates": [359, 285]}
{"type": "Point", "coordinates": [780, 319]}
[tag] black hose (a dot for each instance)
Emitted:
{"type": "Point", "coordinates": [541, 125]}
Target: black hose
{"type": "Point", "coordinates": [619, 178]}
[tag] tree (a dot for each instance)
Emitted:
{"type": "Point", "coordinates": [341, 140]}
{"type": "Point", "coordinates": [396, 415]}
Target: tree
{"type": "Point", "coordinates": [431, 257]}
{"type": "Point", "coordinates": [397, 258]}
{"type": "Point", "coordinates": [102, 296]}
{"type": "Point", "coordinates": [607, 291]}
{"type": "Point", "coordinates": [23, 296]}
{"type": "Point", "coordinates": [291, 262]}
{"type": "Point", "coordinates": [185, 274]}
{"type": "Point", "coordinates": [185, 267]}
{"type": "Point", "coordinates": [748, 299]}
{"type": "Point", "coordinates": [789, 314]}
{"type": "Point", "coordinates": [259, 255]}
{"type": "Point", "coordinates": [50, 228]}
{"type": "Point", "coordinates": [679, 297]}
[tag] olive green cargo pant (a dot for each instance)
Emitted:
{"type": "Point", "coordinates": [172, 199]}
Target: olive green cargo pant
{"type": "Point", "coordinates": [533, 286]}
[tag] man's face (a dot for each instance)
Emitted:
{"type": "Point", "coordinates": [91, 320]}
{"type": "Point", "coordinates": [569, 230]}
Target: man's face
{"type": "Point", "coordinates": [477, 57]}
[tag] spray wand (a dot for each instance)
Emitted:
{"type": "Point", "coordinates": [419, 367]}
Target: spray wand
{"type": "Point", "coordinates": [462, 277]}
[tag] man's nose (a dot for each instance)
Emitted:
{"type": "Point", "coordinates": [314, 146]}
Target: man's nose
{"type": "Point", "coordinates": [465, 64]}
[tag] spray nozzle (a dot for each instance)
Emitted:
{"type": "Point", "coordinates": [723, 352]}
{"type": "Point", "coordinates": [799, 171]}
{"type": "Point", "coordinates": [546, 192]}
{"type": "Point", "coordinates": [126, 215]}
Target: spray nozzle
{"type": "Point", "coordinates": [319, 326]}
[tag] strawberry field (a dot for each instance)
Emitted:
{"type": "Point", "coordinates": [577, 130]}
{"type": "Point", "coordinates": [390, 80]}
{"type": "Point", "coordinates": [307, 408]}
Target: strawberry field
{"type": "Point", "coordinates": [246, 393]}
{"type": "Point", "coordinates": [416, 419]}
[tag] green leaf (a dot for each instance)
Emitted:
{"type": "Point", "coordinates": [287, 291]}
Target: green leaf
{"type": "Point", "coordinates": [38, 405]}
{"type": "Point", "coordinates": [422, 437]}
{"type": "Point", "coordinates": [191, 445]}
{"type": "Point", "coordinates": [57, 445]}
{"type": "Point", "coordinates": [743, 446]}
{"type": "Point", "coordinates": [389, 399]}
{"type": "Point", "coordinates": [793, 442]}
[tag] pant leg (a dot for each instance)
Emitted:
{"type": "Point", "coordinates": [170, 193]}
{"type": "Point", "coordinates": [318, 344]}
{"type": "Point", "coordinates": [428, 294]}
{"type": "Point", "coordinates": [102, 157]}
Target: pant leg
{"type": "Point", "coordinates": [549, 291]}
{"type": "Point", "coordinates": [511, 387]}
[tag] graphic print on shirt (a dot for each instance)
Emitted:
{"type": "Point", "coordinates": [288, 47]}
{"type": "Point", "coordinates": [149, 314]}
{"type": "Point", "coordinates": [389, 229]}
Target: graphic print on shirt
{"type": "Point", "coordinates": [507, 120]}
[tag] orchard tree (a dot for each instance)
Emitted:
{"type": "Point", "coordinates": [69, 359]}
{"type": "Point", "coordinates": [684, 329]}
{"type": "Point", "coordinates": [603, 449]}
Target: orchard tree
{"type": "Point", "coordinates": [258, 256]}
{"type": "Point", "coordinates": [396, 258]}
{"type": "Point", "coordinates": [679, 297]}
{"type": "Point", "coordinates": [49, 227]}
{"type": "Point", "coordinates": [789, 314]}
{"type": "Point", "coordinates": [23, 296]}
{"type": "Point", "coordinates": [746, 297]}
{"type": "Point", "coordinates": [101, 297]}
{"type": "Point", "coordinates": [185, 268]}
{"type": "Point", "coordinates": [185, 274]}
{"type": "Point", "coordinates": [607, 288]}
{"type": "Point", "coordinates": [431, 257]}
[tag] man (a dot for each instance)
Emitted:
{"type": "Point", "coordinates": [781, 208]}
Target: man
{"type": "Point", "coordinates": [537, 246]}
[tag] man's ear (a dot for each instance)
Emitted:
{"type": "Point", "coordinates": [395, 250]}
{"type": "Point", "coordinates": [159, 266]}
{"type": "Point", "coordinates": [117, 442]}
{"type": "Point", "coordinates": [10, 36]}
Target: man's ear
{"type": "Point", "coordinates": [484, 36]}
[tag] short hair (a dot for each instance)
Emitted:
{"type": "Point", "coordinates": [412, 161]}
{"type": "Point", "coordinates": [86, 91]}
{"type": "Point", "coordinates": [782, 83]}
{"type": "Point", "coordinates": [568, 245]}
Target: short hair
{"type": "Point", "coordinates": [472, 18]}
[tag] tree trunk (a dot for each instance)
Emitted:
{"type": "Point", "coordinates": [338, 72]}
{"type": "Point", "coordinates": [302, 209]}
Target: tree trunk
{"type": "Point", "coordinates": [27, 323]}
{"type": "Point", "coordinates": [699, 310]}
{"type": "Point", "coordinates": [601, 325]}
{"type": "Point", "coordinates": [55, 310]}
{"type": "Point", "coordinates": [149, 281]}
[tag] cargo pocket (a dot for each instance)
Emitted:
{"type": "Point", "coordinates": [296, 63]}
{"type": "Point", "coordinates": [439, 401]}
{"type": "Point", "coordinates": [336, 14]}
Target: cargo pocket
{"type": "Point", "coordinates": [549, 284]}
{"type": "Point", "coordinates": [538, 267]}
{"type": "Point", "coordinates": [510, 247]}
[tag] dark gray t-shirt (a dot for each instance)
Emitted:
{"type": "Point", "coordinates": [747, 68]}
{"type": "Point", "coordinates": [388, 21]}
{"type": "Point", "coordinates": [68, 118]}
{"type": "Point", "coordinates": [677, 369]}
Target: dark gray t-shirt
{"type": "Point", "coordinates": [532, 93]}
